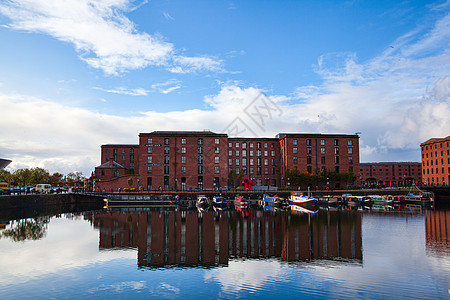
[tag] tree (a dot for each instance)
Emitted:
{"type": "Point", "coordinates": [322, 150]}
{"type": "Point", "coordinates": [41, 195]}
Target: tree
{"type": "Point", "coordinates": [39, 175]}
{"type": "Point", "coordinates": [232, 176]}
{"type": "Point", "coordinates": [22, 177]}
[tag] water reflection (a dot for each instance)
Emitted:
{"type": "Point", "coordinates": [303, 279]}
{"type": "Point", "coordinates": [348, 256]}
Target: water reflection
{"type": "Point", "coordinates": [26, 229]}
{"type": "Point", "coordinates": [211, 239]}
{"type": "Point", "coordinates": [437, 229]}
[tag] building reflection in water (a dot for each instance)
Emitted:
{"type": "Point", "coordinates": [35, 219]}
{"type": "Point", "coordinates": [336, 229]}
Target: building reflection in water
{"type": "Point", "coordinates": [191, 239]}
{"type": "Point", "coordinates": [437, 228]}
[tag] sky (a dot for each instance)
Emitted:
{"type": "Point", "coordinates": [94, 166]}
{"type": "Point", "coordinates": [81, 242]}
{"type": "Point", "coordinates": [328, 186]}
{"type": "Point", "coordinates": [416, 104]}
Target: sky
{"type": "Point", "coordinates": [76, 74]}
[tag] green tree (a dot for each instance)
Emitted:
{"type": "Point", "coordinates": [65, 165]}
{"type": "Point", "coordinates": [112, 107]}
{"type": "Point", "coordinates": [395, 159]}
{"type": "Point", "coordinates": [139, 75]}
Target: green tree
{"type": "Point", "coordinates": [39, 175]}
{"type": "Point", "coordinates": [22, 177]}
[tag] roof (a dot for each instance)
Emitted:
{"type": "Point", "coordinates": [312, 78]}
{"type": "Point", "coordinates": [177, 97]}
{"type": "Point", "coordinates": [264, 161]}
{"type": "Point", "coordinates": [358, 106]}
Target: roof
{"type": "Point", "coordinates": [316, 135]}
{"type": "Point", "coordinates": [183, 133]}
{"type": "Point", "coordinates": [435, 140]}
{"type": "Point", "coordinates": [110, 165]}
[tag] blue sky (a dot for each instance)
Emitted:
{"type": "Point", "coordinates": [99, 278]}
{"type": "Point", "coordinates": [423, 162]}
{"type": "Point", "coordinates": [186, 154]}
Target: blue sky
{"type": "Point", "coordinates": [77, 74]}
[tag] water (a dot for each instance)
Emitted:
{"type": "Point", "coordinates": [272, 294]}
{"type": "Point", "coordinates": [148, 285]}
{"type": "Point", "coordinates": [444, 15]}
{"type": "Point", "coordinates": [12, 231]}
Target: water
{"type": "Point", "coordinates": [228, 255]}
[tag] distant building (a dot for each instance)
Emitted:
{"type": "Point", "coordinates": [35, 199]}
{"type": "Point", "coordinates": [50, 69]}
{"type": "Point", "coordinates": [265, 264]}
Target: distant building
{"type": "Point", "coordinates": [436, 161]}
{"type": "Point", "coordinates": [390, 174]}
{"type": "Point", "coordinates": [185, 160]}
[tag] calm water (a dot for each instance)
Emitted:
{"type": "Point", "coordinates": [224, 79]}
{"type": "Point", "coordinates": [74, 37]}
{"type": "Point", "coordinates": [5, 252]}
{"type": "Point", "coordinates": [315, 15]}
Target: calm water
{"type": "Point", "coordinates": [257, 254]}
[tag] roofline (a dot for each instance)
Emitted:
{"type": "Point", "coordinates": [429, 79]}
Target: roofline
{"type": "Point", "coordinates": [324, 135]}
{"type": "Point", "coordinates": [182, 133]}
{"type": "Point", "coordinates": [435, 140]}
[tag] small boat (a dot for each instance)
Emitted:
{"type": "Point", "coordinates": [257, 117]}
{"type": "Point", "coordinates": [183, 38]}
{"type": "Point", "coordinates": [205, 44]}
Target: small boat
{"type": "Point", "coordinates": [219, 201]}
{"type": "Point", "coordinates": [272, 201]}
{"type": "Point", "coordinates": [202, 201]}
{"type": "Point", "coordinates": [383, 200]}
{"type": "Point", "coordinates": [240, 202]}
{"type": "Point", "coordinates": [358, 200]}
{"type": "Point", "coordinates": [296, 199]}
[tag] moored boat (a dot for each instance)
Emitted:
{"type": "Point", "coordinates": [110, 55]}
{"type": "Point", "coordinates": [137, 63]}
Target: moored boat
{"type": "Point", "coordinates": [240, 202]}
{"type": "Point", "coordinates": [272, 200]}
{"type": "Point", "coordinates": [296, 199]}
{"type": "Point", "coordinates": [299, 210]}
{"type": "Point", "coordinates": [219, 201]}
{"type": "Point", "coordinates": [202, 201]}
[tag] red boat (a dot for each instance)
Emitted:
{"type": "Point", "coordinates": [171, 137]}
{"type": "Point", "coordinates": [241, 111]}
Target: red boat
{"type": "Point", "coordinates": [240, 202]}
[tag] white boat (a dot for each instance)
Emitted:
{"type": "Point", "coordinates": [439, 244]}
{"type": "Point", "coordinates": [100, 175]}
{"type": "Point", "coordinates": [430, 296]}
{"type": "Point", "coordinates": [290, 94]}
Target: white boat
{"type": "Point", "coordinates": [296, 199]}
{"type": "Point", "coordinates": [202, 201]}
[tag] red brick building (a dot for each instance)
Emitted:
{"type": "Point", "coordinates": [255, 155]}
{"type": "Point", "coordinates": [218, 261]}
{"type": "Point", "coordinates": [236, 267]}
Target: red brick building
{"type": "Point", "coordinates": [311, 152]}
{"type": "Point", "coordinates": [184, 160]}
{"type": "Point", "coordinates": [393, 174]}
{"type": "Point", "coordinates": [436, 161]}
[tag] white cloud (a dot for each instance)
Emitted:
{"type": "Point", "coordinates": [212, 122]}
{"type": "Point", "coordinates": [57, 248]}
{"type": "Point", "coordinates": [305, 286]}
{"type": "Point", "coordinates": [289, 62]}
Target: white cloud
{"type": "Point", "coordinates": [101, 33]}
{"type": "Point", "coordinates": [125, 91]}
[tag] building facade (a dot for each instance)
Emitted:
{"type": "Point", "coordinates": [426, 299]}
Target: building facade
{"type": "Point", "coordinates": [436, 161]}
{"type": "Point", "coordinates": [390, 174]}
{"type": "Point", "coordinates": [189, 160]}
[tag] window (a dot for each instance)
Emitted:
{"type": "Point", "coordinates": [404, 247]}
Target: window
{"type": "Point", "coordinates": [244, 153]}
{"type": "Point", "coordinates": [200, 159]}
{"type": "Point", "coordinates": [258, 152]}
{"type": "Point", "coordinates": [216, 169]}
{"type": "Point", "coordinates": [149, 170]}
{"type": "Point", "coordinates": [166, 159]}
{"type": "Point", "coordinates": [266, 153]}
{"type": "Point", "coordinates": [166, 141]}
{"type": "Point", "coordinates": [322, 160]}
{"type": "Point", "coordinates": [183, 170]}
{"type": "Point", "coordinates": [251, 171]}
{"type": "Point", "coordinates": [237, 145]}
{"type": "Point", "coordinates": [295, 160]}
{"type": "Point", "coordinates": [336, 150]}
{"type": "Point", "coordinates": [308, 142]}
{"type": "Point", "coordinates": [258, 171]}
{"type": "Point", "coordinates": [273, 153]}
{"type": "Point", "coordinates": [230, 144]}
{"type": "Point", "coordinates": [106, 151]}
{"type": "Point", "coordinates": [183, 159]}
{"type": "Point", "coordinates": [200, 150]}
{"type": "Point", "coordinates": [166, 150]}
{"type": "Point", "coordinates": [266, 170]}
{"type": "Point", "coordinates": [230, 161]}
{"type": "Point", "coordinates": [149, 150]}
{"type": "Point", "coordinates": [322, 150]}
{"type": "Point", "coordinates": [216, 150]}
{"type": "Point", "coordinates": [294, 150]}
{"type": "Point", "coordinates": [149, 159]}
{"type": "Point", "coordinates": [350, 160]}
{"type": "Point", "coordinates": [244, 161]}
{"type": "Point", "coordinates": [265, 145]}
{"type": "Point", "coordinates": [116, 173]}
{"type": "Point", "coordinates": [237, 152]}
{"type": "Point", "coordinates": [244, 145]}
{"type": "Point", "coordinates": [336, 160]}
{"type": "Point", "coordinates": [166, 169]}
{"type": "Point", "coordinates": [106, 158]}
{"type": "Point", "coordinates": [230, 152]}
{"type": "Point", "coordinates": [258, 145]}
{"type": "Point", "coordinates": [251, 161]}
{"type": "Point", "coordinates": [200, 141]}
{"type": "Point", "coordinates": [258, 161]}
{"type": "Point", "coordinates": [308, 150]}
{"type": "Point", "coordinates": [216, 141]}
{"type": "Point", "coordinates": [350, 150]}
{"type": "Point", "coordinates": [200, 169]}
{"type": "Point", "coordinates": [183, 141]}
{"type": "Point", "coordinates": [266, 162]}
{"type": "Point", "coordinates": [251, 145]}
{"type": "Point", "coordinates": [149, 141]}
{"type": "Point", "coordinates": [336, 142]}
{"type": "Point", "coordinates": [322, 142]}
{"type": "Point", "coordinates": [183, 149]}
{"type": "Point", "coordinates": [251, 152]}
{"type": "Point", "coordinates": [350, 142]}
{"type": "Point", "coordinates": [309, 160]}
{"type": "Point", "coordinates": [237, 161]}
{"type": "Point", "coordinates": [216, 159]}
{"type": "Point", "coordinates": [294, 142]}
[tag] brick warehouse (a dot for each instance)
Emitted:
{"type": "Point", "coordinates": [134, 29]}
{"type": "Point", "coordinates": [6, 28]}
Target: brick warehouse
{"type": "Point", "coordinates": [390, 174]}
{"type": "Point", "coordinates": [436, 161]}
{"type": "Point", "coordinates": [185, 160]}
